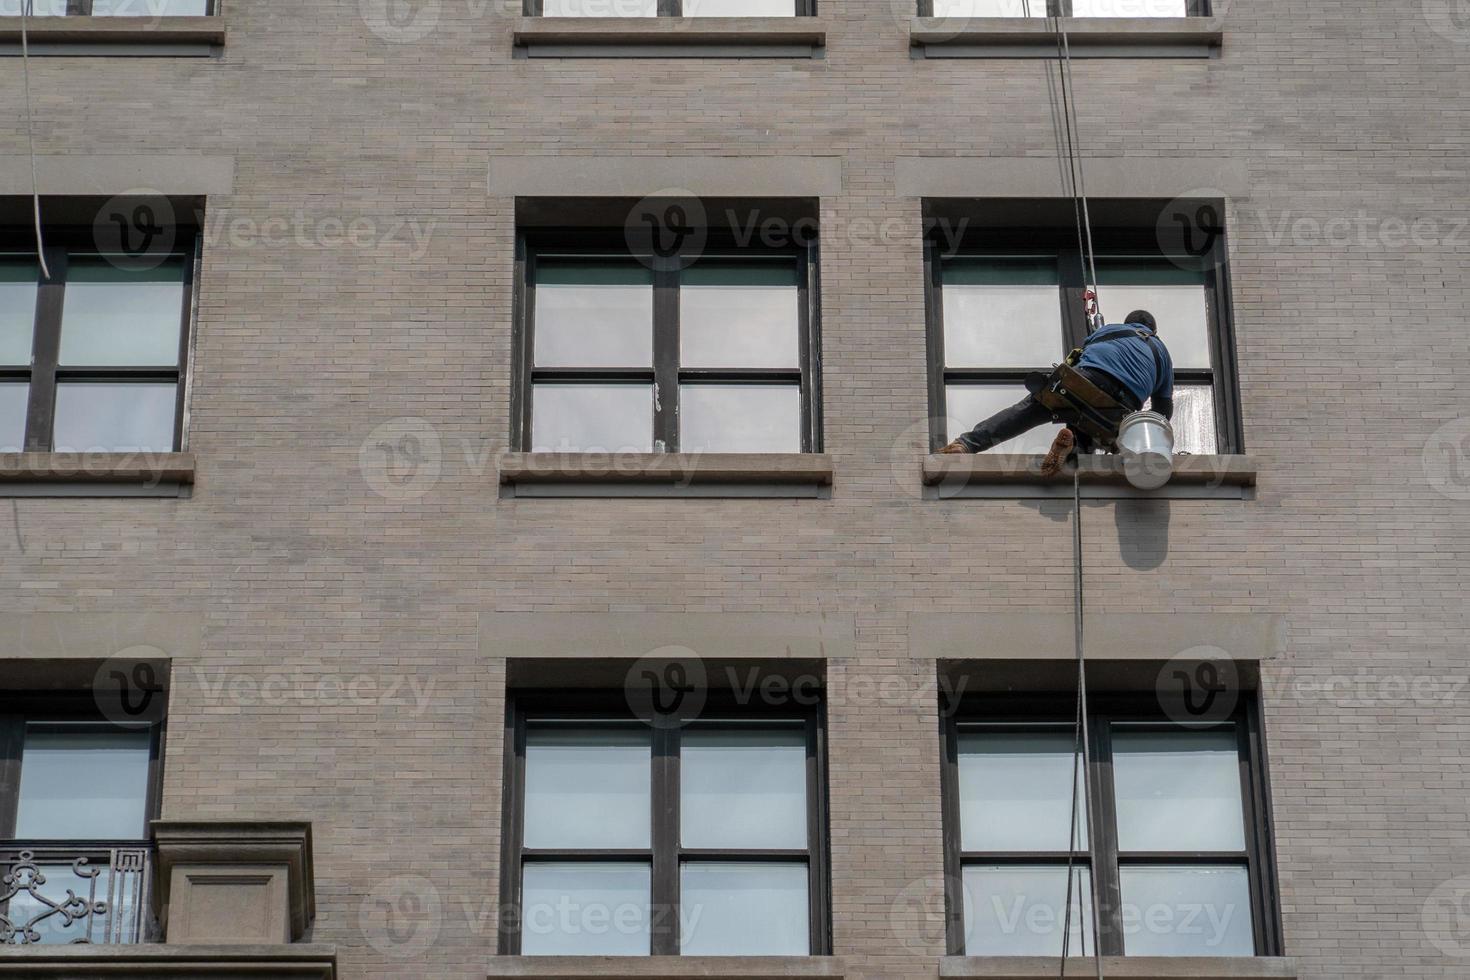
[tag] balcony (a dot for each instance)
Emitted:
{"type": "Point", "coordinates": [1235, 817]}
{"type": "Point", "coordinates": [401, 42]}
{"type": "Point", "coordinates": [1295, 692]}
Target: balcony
{"type": "Point", "coordinates": [77, 893]}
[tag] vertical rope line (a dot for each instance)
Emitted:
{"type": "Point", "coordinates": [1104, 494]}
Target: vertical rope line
{"type": "Point", "coordinates": [26, 9]}
{"type": "Point", "coordinates": [1084, 735]}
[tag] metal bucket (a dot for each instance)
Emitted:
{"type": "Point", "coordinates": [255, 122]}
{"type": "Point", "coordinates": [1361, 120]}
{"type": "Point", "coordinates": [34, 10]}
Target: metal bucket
{"type": "Point", "coordinates": [1146, 443]}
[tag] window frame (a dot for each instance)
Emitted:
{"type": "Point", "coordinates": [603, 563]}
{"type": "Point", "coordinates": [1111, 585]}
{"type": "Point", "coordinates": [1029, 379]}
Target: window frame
{"type": "Point", "coordinates": [665, 374]}
{"type": "Point", "coordinates": [1063, 8]}
{"type": "Point", "coordinates": [1051, 712]}
{"type": "Point", "coordinates": [1072, 284]}
{"type": "Point", "coordinates": [83, 8]}
{"type": "Point", "coordinates": [665, 854]}
{"type": "Point", "coordinates": [673, 8]}
{"type": "Point", "coordinates": [44, 372]}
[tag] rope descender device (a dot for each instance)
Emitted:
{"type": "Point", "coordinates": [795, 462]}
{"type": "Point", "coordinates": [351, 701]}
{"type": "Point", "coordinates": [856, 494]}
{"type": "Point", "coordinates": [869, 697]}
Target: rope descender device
{"type": "Point", "coordinates": [1094, 315]}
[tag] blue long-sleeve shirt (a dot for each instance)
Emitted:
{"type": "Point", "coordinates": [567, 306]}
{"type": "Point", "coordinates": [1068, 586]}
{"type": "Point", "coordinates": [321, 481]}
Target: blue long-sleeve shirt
{"type": "Point", "coordinates": [1118, 350]}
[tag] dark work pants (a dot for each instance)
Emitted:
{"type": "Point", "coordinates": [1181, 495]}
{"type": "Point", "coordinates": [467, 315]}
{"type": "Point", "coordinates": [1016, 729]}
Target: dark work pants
{"type": "Point", "coordinates": [1028, 413]}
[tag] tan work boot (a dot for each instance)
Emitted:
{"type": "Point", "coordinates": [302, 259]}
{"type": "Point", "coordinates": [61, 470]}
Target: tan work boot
{"type": "Point", "coordinates": [955, 448]}
{"type": "Point", "coordinates": [1061, 448]}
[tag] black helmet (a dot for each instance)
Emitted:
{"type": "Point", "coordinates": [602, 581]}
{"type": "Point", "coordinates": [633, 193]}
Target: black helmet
{"type": "Point", "coordinates": [1143, 318]}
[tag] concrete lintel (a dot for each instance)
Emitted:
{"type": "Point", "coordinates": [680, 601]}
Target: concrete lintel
{"type": "Point", "coordinates": [641, 176]}
{"type": "Point", "coordinates": [78, 174]}
{"type": "Point", "coordinates": [1038, 177]}
{"type": "Point", "coordinates": [1121, 967]}
{"type": "Point", "coordinates": [671, 967]}
{"type": "Point", "coordinates": [603, 635]}
{"type": "Point", "coordinates": [307, 961]}
{"type": "Point", "coordinates": [1110, 636]}
{"type": "Point", "coordinates": [99, 635]}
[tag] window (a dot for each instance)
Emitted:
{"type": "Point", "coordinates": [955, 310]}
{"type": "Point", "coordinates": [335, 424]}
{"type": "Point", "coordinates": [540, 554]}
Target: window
{"type": "Point", "coordinates": [623, 352]}
{"type": "Point", "coordinates": [92, 360]}
{"type": "Point", "coordinates": [996, 316]}
{"type": "Point", "coordinates": [77, 792]}
{"type": "Point", "coordinates": [110, 8]}
{"type": "Point", "coordinates": [1064, 8]}
{"type": "Point", "coordinates": [1181, 833]}
{"type": "Point", "coordinates": [695, 837]}
{"type": "Point", "coordinates": [670, 8]}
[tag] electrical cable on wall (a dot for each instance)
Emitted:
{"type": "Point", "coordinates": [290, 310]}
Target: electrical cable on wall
{"type": "Point", "coordinates": [26, 9]}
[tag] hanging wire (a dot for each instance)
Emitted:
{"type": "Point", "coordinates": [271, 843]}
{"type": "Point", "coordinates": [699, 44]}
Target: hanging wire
{"type": "Point", "coordinates": [26, 10]}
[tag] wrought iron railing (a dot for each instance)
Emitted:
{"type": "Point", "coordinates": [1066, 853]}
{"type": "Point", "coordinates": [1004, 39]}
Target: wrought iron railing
{"type": "Point", "coordinates": [75, 893]}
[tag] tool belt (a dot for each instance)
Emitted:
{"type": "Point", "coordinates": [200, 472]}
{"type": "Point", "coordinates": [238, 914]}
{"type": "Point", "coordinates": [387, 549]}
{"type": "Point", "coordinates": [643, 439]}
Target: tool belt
{"type": "Point", "coordinates": [1077, 401]}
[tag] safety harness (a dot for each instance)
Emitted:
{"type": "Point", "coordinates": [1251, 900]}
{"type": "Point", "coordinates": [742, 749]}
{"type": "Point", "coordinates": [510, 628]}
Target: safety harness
{"type": "Point", "coordinates": [1077, 401]}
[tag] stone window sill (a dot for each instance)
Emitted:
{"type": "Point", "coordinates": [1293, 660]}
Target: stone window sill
{"type": "Point", "coordinates": [96, 962]}
{"type": "Point", "coordinates": [1013, 476]}
{"type": "Point", "coordinates": [1088, 37]}
{"type": "Point", "coordinates": [1121, 967]}
{"type": "Point", "coordinates": [96, 474]}
{"type": "Point", "coordinates": [670, 37]}
{"type": "Point", "coordinates": [807, 475]}
{"type": "Point", "coordinates": [672, 967]}
{"type": "Point", "coordinates": [175, 36]}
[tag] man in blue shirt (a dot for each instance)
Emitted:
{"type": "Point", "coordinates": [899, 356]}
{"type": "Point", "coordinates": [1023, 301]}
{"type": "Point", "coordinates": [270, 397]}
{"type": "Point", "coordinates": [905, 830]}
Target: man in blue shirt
{"type": "Point", "coordinates": [1127, 360]}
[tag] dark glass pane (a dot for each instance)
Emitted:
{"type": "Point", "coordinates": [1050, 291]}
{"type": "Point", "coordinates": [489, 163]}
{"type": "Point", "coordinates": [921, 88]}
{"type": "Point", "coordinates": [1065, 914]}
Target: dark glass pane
{"type": "Point", "coordinates": [1187, 911]}
{"type": "Point", "coordinates": [740, 315]}
{"type": "Point", "coordinates": [587, 787]}
{"type": "Point", "coordinates": [1178, 791]}
{"type": "Point", "coordinates": [1176, 297]}
{"type": "Point", "coordinates": [585, 908]}
{"type": "Point", "coordinates": [743, 789]}
{"type": "Point", "coordinates": [14, 399]}
{"type": "Point", "coordinates": [83, 785]}
{"type": "Point", "coordinates": [740, 418]}
{"type": "Point", "coordinates": [1002, 312]}
{"type": "Point", "coordinates": [592, 418]}
{"type": "Point", "coordinates": [593, 314]}
{"type": "Point", "coordinates": [18, 291]}
{"type": "Point", "coordinates": [1015, 791]}
{"type": "Point", "coordinates": [121, 417]}
{"type": "Point", "coordinates": [1020, 910]}
{"type": "Point", "coordinates": [121, 317]}
{"type": "Point", "coordinates": [745, 909]}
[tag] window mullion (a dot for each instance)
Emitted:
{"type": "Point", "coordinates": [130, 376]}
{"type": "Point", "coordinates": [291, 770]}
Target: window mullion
{"type": "Point", "coordinates": [45, 351]}
{"type": "Point", "coordinates": [664, 927]}
{"type": "Point", "coordinates": [12, 739]}
{"type": "Point", "coordinates": [934, 326]}
{"type": "Point", "coordinates": [809, 350]}
{"type": "Point", "coordinates": [523, 361]}
{"type": "Point", "coordinates": [666, 353]}
{"type": "Point", "coordinates": [670, 8]}
{"type": "Point", "coordinates": [1104, 827]}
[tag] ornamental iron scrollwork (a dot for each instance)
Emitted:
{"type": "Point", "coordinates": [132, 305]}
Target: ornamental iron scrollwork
{"type": "Point", "coordinates": [107, 902]}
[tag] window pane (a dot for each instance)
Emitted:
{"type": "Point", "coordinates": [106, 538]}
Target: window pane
{"type": "Point", "coordinates": [1178, 791]}
{"type": "Point", "coordinates": [600, 8]}
{"type": "Point", "coordinates": [592, 418]}
{"type": "Point", "coordinates": [1187, 911]}
{"type": "Point", "coordinates": [1014, 793]}
{"type": "Point", "coordinates": [1176, 297]}
{"type": "Point", "coordinates": [1019, 910]}
{"type": "Point", "coordinates": [121, 317]}
{"type": "Point", "coordinates": [41, 8]}
{"type": "Point", "coordinates": [594, 314]}
{"type": "Point", "coordinates": [150, 8]}
{"type": "Point", "coordinates": [587, 787]}
{"type": "Point", "coordinates": [1002, 313]}
{"type": "Point", "coordinates": [756, 909]}
{"type": "Point", "coordinates": [1130, 8]}
{"type": "Point", "coordinates": [1194, 419]}
{"type": "Point", "coordinates": [739, 8]}
{"type": "Point", "coordinates": [989, 8]}
{"type": "Point", "coordinates": [62, 879]}
{"type": "Point", "coordinates": [740, 418]}
{"type": "Point", "coordinates": [739, 314]}
{"type": "Point", "coordinates": [83, 785]}
{"type": "Point", "coordinates": [971, 404]}
{"type": "Point", "coordinates": [13, 401]}
{"type": "Point", "coordinates": [97, 417]}
{"type": "Point", "coordinates": [581, 908]}
{"type": "Point", "coordinates": [743, 789]}
{"type": "Point", "coordinates": [17, 310]}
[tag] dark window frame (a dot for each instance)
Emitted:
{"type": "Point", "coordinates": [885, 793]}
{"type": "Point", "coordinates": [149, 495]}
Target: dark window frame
{"type": "Point", "coordinates": [666, 853]}
{"type": "Point", "coordinates": [1057, 711]}
{"type": "Point", "coordinates": [1063, 8]}
{"type": "Point", "coordinates": [44, 372]}
{"type": "Point", "coordinates": [672, 8]}
{"type": "Point", "coordinates": [1223, 377]}
{"type": "Point", "coordinates": [83, 8]}
{"type": "Point", "coordinates": [665, 374]}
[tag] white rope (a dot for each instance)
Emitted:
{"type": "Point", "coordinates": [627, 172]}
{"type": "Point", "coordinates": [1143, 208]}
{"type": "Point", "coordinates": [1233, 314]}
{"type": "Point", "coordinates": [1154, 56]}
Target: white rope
{"type": "Point", "coordinates": [26, 10]}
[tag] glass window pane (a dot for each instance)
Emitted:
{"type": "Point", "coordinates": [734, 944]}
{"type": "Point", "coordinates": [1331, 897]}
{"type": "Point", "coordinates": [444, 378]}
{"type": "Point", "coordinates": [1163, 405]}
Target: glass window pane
{"type": "Point", "coordinates": [13, 401]}
{"type": "Point", "coordinates": [1014, 793]}
{"type": "Point", "coordinates": [18, 278]}
{"type": "Point", "coordinates": [41, 8]}
{"type": "Point", "coordinates": [150, 8]}
{"type": "Point", "coordinates": [972, 404]}
{"type": "Point", "coordinates": [1187, 911]}
{"type": "Point", "coordinates": [584, 908]}
{"type": "Point", "coordinates": [62, 879]}
{"type": "Point", "coordinates": [1178, 791]}
{"type": "Point", "coordinates": [743, 789]}
{"type": "Point", "coordinates": [98, 417]}
{"type": "Point", "coordinates": [121, 317]}
{"type": "Point", "coordinates": [592, 418]}
{"type": "Point", "coordinates": [1194, 419]}
{"type": "Point", "coordinates": [740, 314]}
{"type": "Point", "coordinates": [587, 787]}
{"type": "Point", "coordinates": [1002, 313]}
{"type": "Point", "coordinates": [740, 418]}
{"type": "Point", "coordinates": [83, 785]}
{"type": "Point", "coordinates": [989, 8]}
{"type": "Point", "coordinates": [1176, 297]}
{"type": "Point", "coordinates": [594, 314]}
{"type": "Point", "coordinates": [600, 8]}
{"type": "Point", "coordinates": [739, 8]}
{"type": "Point", "coordinates": [1130, 8]}
{"type": "Point", "coordinates": [1019, 910]}
{"type": "Point", "coordinates": [755, 909]}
